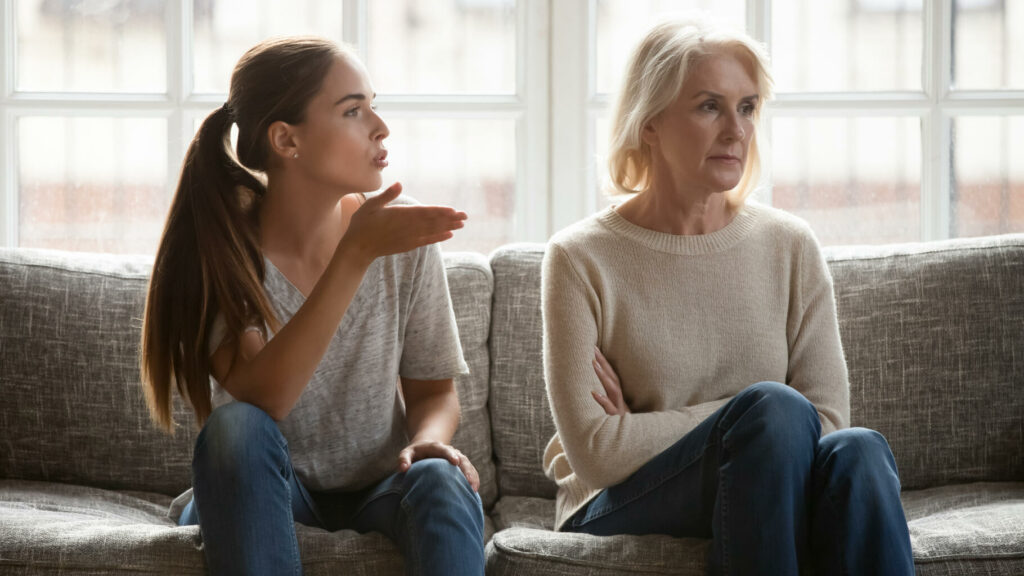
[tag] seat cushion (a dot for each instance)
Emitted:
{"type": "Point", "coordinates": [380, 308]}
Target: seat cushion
{"type": "Point", "coordinates": [50, 528]}
{"type": "Point", "coordinates": [960, 529]}
{"type": "Point", "coordinates": [967, 528]}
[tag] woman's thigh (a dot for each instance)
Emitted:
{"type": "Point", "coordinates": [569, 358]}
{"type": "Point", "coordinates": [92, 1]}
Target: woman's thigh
{"type": "Point", "coordinates": [672, 494]}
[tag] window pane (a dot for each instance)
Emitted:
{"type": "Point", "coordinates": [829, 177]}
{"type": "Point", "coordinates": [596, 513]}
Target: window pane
{"type": "Point", "coordinates": [855, 180]}
{"type": "Point", "coordinates": [621, 24]}
{"type": "Point", "coordinates": [91, 46]}
{"type": "Point", "coordinates": [92, 184]}
{"type": "Point", "coordinates": [988, 48]}
{"type": "Point", "coordinates": [841, 46]}
{"type": "Point", "coordinates": [225, 29]}
{"type": "Point", "coordinates": [467, 164]}
{"type": "Point", "coordinates": [442, 46]}
{"type": "Point", "coordinates": [988, 176]}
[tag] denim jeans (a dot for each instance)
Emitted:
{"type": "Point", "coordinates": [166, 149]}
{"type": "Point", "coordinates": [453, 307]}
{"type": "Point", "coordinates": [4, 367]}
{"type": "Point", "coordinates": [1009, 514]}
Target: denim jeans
{"type": "Point", "coordinates": [773, 496]}
{"type": "Point", "coordinates": [246, 499]}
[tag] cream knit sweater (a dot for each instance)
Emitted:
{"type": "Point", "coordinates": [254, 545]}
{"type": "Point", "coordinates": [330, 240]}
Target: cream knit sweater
{"type": "Point", "coordinates": [687, 322]}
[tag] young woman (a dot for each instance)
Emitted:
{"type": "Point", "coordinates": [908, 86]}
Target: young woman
{"type": "Point", "coordinates": [286, 305]}
{"type": "Point", "coordinates": [692, 351]}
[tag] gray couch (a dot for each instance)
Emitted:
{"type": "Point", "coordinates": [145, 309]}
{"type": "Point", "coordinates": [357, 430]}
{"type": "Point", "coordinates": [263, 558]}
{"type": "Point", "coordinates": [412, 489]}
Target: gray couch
{"type": "Point", "coordinates": [934, 337]}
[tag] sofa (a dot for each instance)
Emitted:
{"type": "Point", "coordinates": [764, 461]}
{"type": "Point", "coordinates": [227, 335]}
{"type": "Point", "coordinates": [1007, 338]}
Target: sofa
{"type": "Point", "coordinates": [933, 334]}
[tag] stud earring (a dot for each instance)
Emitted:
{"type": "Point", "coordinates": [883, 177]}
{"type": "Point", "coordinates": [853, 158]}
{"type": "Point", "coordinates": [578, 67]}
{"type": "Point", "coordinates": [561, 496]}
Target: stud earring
{"type": "Point", "coordinates": [296, 155]}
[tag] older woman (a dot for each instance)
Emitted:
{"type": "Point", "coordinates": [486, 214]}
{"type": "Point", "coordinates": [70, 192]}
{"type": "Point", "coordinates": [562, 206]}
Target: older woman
{"type": "Point", "coordinates": [691, 348]}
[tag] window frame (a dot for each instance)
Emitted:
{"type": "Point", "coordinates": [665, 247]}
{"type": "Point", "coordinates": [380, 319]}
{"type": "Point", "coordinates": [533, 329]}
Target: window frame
{"type": "Point", "coordinates": [182, 107]}
{"type": "Point", "coordinates": [937, 105]}
{"type": "Point", "coordinates": [555, 74]}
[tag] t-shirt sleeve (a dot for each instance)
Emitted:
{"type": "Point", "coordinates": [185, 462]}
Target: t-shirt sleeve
{"type": "Point", "coordinates": [431, 349]}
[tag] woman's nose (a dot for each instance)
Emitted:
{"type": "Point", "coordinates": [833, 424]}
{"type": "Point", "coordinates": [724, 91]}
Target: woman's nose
{"type": "Point", "coordinates": [382, 130]}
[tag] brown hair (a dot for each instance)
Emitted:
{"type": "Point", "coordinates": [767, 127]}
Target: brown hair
{"type": "Point", "coordinates": [209, 261]}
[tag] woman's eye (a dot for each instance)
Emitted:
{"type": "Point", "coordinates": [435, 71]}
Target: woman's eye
{"type": "Point", "coordinates": [748, 109]}
{"type": "Point", "coordinates": [352, 111]}
{"type": "Point", "coordinates": [709, 106]}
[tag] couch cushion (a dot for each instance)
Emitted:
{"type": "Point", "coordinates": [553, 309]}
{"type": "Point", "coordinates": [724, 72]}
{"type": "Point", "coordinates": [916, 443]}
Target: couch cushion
{"type": "Point", "coordinates": [73, 409]}
{"type": "Point", "coordinates": [520, 416]}
{"type": "Point", "coordinates": [933, 338]}
{"type": "Point", "coordinates": [62, 529]}
{"type": "Point", "coordinates": [960, 529]}
{"type": "Point", "coordinates": [967, 528]}
{"type": "Point", "coordinates": [471, 284]}
{"type": "Point", "coordinates": [544, 553]}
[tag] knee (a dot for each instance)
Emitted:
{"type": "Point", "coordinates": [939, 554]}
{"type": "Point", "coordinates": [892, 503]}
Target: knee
{"type": "Point", "coordinates": [782, 411]}
{"type": "Point", "coordinates": [234, 433]}
{"type": "Point", "coordinates": [857, 454]}
{"type": "Point", "coordinates": [434, 479]}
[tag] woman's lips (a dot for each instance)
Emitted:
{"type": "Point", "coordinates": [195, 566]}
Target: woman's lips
{"type": "Point", "coordinates": [726, 158]}
{"type": "Point", "coordinates": [381, 160]}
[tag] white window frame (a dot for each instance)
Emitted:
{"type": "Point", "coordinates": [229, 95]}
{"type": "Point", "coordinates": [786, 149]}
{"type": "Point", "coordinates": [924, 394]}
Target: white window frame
{"type": "Point", "coordinates": [574, 80]}
{"type": "Point", "coordinates": [528, 107]}
{"type": "Point", "coordinates": [554, 108]}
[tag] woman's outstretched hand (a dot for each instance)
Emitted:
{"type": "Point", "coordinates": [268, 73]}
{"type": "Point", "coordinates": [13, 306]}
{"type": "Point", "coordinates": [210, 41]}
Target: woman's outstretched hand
{"type": "Point", "coordinates": [611, 400]}
{"type": "Point", "coordinates": [429, 449]}
{"type": "Point", "coordinates": [377, 229]}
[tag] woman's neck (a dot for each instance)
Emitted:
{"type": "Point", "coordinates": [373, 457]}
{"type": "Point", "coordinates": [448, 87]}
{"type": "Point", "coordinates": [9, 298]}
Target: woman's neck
{"type": "Point", "coordinates": [673, 212]}
{"type": "Point", "coordinates": [300, 228]}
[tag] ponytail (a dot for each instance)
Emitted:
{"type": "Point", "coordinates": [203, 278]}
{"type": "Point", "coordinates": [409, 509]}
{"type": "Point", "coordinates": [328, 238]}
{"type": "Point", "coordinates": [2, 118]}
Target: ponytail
{"type": "Point", "coordinates": [208, 263]}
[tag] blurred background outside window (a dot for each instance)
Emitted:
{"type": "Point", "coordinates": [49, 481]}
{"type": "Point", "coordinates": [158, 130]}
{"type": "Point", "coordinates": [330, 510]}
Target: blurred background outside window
{"type": "Point", "coordinates": [895, 120]}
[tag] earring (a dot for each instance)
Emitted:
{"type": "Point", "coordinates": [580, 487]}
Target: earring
{"type": "Point", "coordinates": [296, 155]}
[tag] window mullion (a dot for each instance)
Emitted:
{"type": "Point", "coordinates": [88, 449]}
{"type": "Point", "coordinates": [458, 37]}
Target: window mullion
{"type": "Point", "coordinates": [759, 20]}
{"type": "Point", "coordinates": [935, 128]}
{"type": "Point", "coordinates": [572, 50]}
{"type": "Point", "coordinates": [8, 172]}
{"type": "Point", "coordinates": [533, 184]}
{"type": "Point", "coordinates": [179, 84]}
{"type": "Point", "coordinates": [354, 26]}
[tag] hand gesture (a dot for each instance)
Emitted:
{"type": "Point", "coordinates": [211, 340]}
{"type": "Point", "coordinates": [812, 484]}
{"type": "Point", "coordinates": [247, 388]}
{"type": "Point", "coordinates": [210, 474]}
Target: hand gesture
{"type": "Point", "coordinates": [377, 229]}
{"type": "Point", "coordinates": [611, 400]}
{"type": "Point", "coordinates": [424, 449]}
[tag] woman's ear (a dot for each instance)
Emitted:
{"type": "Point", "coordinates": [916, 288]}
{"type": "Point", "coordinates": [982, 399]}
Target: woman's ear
{"type": "Point", "coordinates": [281, 136]}
{"type": "Point", "coordinates": [649, 133]}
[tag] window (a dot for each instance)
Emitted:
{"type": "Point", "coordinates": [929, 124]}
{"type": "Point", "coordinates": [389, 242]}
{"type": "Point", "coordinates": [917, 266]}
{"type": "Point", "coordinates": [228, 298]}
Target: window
{"type": "Point", "coordinates": [895, 120]}
{"type": "Point", "coordinates": [102, 98]}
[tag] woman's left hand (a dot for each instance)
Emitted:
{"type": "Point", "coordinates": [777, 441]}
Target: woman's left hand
{"type": "Point", "coordinates": [423, 449]}
{"type": "Point", "coordinates": [612, 401]}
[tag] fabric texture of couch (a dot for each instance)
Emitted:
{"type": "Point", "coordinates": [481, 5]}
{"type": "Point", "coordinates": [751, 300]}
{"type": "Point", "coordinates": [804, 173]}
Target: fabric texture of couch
{"type": "Point", "coordinates": [933, 334]}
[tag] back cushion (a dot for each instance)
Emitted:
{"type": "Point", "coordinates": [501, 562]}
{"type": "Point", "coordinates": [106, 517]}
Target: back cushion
{"type": "Point", "coordinates": [934, 339]}
{"type": "Point", "coordinates": [470, 283]}
{"type": "Point", "coordinates": [520, 415]}
{"type": "Point", "coordinates": [933, 335]}
{"type": "Point", "coordinates": [72, 408]}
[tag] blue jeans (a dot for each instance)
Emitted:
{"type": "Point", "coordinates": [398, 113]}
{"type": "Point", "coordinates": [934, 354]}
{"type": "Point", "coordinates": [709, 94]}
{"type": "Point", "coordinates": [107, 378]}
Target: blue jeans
{"type": "Point", "coordinates": [774, 496]}
{"type": "Point", "coordinates": [246, 499]}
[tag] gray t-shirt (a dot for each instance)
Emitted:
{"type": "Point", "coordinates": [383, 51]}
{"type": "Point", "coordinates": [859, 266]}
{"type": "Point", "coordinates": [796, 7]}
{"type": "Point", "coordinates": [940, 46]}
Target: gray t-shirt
{"type": "Point", "coordinates": [348, 426]}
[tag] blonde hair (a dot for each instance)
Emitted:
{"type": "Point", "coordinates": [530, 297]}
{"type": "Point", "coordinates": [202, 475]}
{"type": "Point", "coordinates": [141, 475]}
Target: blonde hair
{"type": "Point", "coordinates": [656, 72]}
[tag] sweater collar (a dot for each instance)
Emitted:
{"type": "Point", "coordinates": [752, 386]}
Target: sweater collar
{"type": "Point", "coordinates": [717, 241]}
